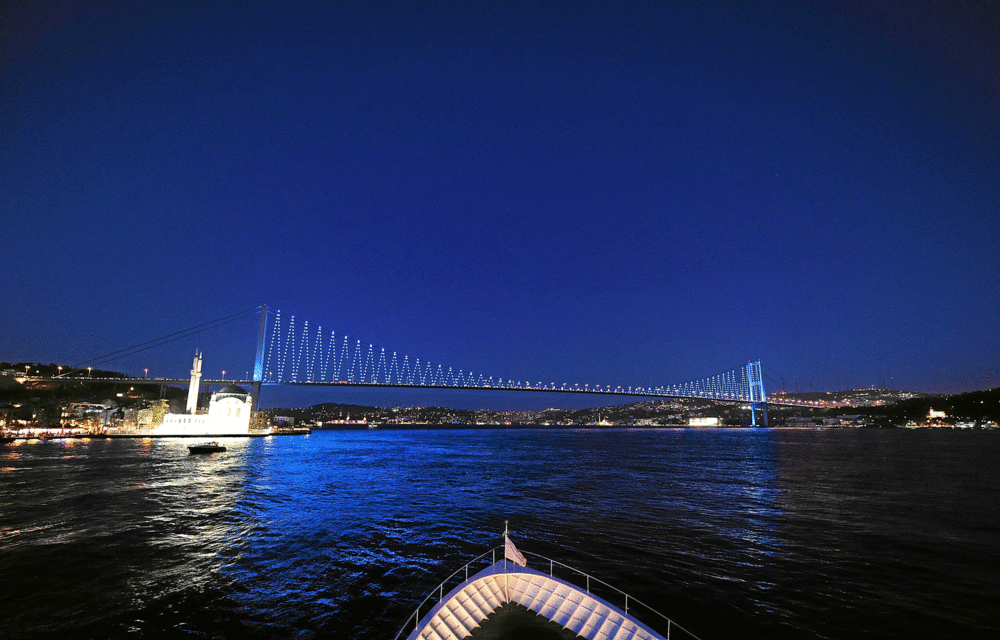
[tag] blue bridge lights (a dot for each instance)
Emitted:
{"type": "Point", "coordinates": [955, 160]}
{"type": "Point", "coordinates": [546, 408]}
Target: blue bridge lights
{"type": "Point", "coordinates": [308, 358]}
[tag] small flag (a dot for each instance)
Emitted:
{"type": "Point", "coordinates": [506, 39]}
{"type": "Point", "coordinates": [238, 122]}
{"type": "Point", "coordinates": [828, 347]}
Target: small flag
{"type": "Point", "coordinates": [511, 552]}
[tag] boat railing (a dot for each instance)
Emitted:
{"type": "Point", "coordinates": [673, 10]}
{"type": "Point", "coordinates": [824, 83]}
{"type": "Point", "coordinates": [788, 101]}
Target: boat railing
{"type": "Point", "coordinates": [413, 622]}
{"type": "Point", "coordinates": [629, 600]}
{"type": "Point", "coordinates": [439, 590]}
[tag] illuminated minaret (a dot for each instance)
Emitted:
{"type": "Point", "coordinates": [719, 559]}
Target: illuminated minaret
{"type": "Point", "coordinates": [192, 405]}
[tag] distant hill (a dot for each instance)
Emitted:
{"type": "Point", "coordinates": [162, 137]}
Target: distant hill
{"type": "Point", "coordinates": [52, 369]}
{"type": "Point", "coordinates": [857, 397]}
{"type": "Point", "coordinates": [885, 406]}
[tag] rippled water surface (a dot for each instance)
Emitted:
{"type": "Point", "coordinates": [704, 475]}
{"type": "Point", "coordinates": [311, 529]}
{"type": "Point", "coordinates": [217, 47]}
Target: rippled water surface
{"type": "Point", "coordinates": [732, 533]}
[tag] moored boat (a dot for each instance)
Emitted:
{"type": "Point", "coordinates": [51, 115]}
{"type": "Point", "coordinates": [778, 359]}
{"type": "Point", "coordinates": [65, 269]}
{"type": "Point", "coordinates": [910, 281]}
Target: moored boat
{"type": "Point", "coordinates": [206, 447]}
{"type": "Point", "coordinates": [508, 599]}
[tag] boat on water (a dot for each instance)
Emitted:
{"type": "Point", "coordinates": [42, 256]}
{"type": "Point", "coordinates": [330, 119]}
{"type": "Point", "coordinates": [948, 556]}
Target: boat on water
{"type": "Point", "coordinates": [509, 599]}
{"type": "Point", "coordinates": [206, 447]}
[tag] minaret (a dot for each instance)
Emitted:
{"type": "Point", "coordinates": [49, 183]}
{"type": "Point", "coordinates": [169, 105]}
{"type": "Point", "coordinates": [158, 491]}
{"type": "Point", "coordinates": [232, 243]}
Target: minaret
{"type": "Point", "coordinates": [192, 405]}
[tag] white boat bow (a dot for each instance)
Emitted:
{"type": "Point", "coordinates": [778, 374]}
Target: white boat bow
{"type": "Point", "coordinates": [466, 607]}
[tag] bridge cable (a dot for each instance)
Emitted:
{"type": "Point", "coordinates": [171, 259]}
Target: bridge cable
{"type": "Point", "coordinates": [783, 381]}
{"type": "Point", "coordinates": [156, 342]}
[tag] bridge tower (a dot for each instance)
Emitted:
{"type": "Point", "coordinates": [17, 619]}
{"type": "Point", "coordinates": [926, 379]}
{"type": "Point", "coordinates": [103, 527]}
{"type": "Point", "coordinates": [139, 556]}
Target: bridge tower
{"type": "Point", "coordinates": [258, 365]}
{"type": "Point", "coordinates": [758, 399]}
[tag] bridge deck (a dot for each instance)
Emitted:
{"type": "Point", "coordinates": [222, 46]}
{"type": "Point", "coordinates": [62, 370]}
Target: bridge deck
{"type": "Point", "coordinates": [621, 392]}
{"type": "Point", "coordinates": [630, 393]}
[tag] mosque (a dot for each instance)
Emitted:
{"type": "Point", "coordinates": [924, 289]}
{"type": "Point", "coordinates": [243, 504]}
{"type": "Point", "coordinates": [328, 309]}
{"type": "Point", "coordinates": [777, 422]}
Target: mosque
{"type": "Point", "coordinates": [229, 411]}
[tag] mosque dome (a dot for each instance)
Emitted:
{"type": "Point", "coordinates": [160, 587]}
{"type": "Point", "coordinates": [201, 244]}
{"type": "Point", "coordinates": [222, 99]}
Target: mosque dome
{"type": "Point", "coordinates": [232, 390]}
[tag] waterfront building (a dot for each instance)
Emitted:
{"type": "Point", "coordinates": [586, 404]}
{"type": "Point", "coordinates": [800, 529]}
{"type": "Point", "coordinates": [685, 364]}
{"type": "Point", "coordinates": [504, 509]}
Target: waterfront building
{"type": "Point", "coordinates": [229, 411]}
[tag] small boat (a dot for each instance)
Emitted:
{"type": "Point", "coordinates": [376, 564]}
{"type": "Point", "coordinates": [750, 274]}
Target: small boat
{"type": "Point", "coordinates": [206, 447]}
{"type": "Point", "coordinates": [510, 599]}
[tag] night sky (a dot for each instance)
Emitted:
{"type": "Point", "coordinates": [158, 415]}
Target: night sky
{"type": "Point", "coordinates": [626, 193]}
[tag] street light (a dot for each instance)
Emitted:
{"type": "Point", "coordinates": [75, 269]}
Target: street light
{"type": "Point", "coordinates": [145, 372]}
{"type": "Point", "coordinates": [60, 371]}
{"type": "Point", "coordinates": [223, 374]}
{"type": "Point", "coordinates": [26, 367]}
{"type": "Point", "coordinates": [89, 371]}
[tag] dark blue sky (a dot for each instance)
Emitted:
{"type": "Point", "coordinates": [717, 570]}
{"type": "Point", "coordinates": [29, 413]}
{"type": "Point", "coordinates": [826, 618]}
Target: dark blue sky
{"type": "Point", "coordinates": [625, 193]}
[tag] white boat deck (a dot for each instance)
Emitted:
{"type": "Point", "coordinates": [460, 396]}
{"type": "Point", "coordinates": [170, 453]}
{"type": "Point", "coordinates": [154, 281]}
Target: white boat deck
{"type": "Point", "coordinates": [466, 606]}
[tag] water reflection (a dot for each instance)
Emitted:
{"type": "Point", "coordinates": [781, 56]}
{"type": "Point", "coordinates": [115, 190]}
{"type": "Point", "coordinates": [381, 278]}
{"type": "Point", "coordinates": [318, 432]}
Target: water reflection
{"type": "Point", "coordinates": [402, 509]}
{"type": "Point", "coordinates": [339, 534]}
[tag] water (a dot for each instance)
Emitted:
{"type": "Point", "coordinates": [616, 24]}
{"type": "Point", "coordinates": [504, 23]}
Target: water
{"type": "Point", "coordinates": [756, 534]}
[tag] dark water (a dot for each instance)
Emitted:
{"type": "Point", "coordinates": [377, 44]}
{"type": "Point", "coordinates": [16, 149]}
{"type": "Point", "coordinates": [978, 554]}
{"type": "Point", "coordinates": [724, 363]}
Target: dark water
{"type": "Point", "coordinates": [733, 533]}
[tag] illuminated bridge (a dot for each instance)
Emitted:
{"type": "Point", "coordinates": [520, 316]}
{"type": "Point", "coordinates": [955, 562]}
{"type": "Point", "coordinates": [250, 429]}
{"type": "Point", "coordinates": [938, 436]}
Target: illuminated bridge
{"type": "Point", "coordinates": [293, 351]}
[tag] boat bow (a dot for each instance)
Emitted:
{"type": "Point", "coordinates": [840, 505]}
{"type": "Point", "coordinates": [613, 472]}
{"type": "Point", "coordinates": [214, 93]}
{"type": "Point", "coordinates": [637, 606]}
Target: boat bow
{"type": "Point", "coordinates": [469, 604]}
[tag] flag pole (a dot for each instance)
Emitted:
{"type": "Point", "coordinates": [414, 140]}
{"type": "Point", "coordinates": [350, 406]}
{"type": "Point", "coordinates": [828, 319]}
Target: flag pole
{"type": "Point", "coordinates": [506, 575]}
{"type": "Point", "coordinates": [506, 529]}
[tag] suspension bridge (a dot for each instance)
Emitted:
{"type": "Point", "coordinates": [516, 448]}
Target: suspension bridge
{"type": "Point", "coordinates": [293, 351]}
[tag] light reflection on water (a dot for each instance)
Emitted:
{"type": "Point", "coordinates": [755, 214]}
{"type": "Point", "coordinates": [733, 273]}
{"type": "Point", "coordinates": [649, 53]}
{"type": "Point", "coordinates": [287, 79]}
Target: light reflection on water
{"type": "Point", "coordinates": [340, 534]}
